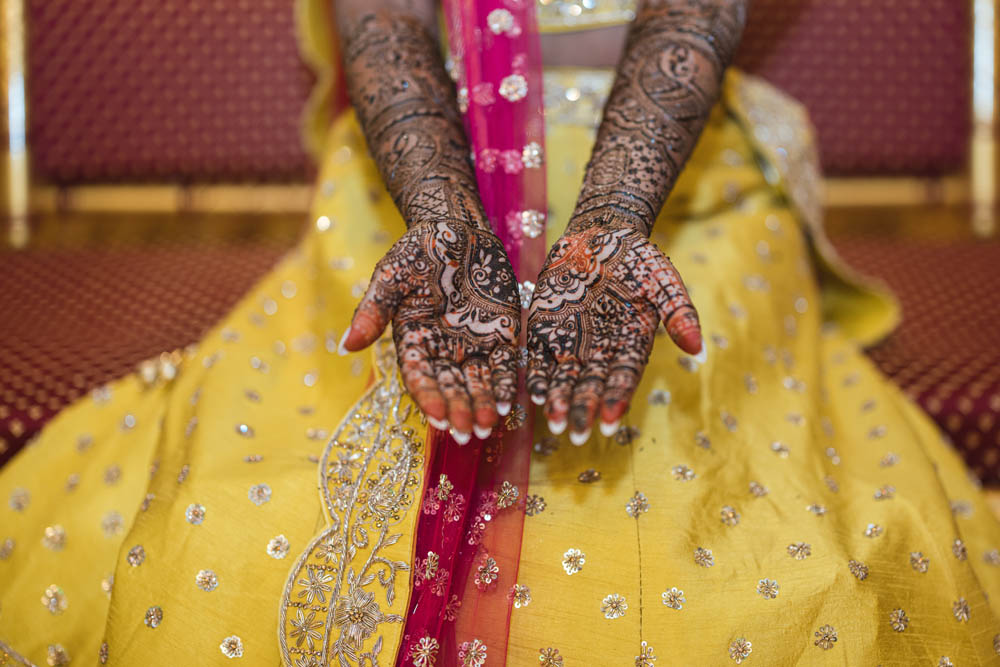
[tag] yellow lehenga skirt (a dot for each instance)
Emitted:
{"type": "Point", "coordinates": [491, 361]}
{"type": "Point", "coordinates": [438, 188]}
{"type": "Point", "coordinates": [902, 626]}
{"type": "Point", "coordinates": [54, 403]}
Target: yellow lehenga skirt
{"type": "Point", "coordinates": [780, 504]}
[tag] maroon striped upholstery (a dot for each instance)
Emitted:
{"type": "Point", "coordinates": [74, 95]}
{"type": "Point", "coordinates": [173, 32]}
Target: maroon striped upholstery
{"type": "Point", "coordinates": [165, 90]}
{"type": "Point", "coordinates": [172, 90]}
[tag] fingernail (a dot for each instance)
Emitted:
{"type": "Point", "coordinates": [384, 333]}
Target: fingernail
{"type": "Point", "coordinates": [703, 355]}
{"type": "Point", "coordinates": [503, 408]}
{"type": "Point", "coordinates": [608, 430]}
{"type": "Point", "coordinates": [557, 428]}
{"type": "Point", "coordinates": [481, 432]}
{"type": "Point", "coordinates": [579, 439]}
{"type": "Point", "coordinates": [340, 348]}
{"type": "Point", "coordinates": [439, 424]}
{"type": "Point", "coordinates": [461, 438]}
{"type": "Point", "coordinates": [538, 399]}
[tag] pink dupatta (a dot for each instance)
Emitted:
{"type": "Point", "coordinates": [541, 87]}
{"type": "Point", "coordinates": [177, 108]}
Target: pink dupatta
{"type": "Point", "coordinates": [469, 532]}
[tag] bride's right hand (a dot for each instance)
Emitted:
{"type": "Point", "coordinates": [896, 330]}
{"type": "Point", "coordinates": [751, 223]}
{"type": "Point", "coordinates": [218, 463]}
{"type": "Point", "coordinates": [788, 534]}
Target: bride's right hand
{"type": "Point", "coordinates": [451, 295]}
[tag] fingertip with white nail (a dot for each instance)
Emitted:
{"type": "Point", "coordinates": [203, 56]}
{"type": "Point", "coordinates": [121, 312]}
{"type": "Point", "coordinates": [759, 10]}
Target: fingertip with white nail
{"type": "Point", "coordinates": [341, 350]}
{"type": "Point", "coordinates": [439, 424]}
{"type": "Point", "coordinates": [701, 356]}
{"type": "Point", "coordinates": [461, 438]}
{"type": "Point", "coordinates": [503, 408]}
{"type": "Point", "coordinates": [556, 428]}
{"type": "Point", "coordinates": [538, 399]}
{"type": "Point", "coordinates": [482, 432]}
{"type": "Point", "coordinates": [579, 438]}
{"type": "Point", "coordinates": [609, 429]}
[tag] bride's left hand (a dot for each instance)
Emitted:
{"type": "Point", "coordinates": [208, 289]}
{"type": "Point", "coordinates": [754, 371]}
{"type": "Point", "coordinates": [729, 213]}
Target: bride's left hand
{"type": "Point", "coordinates": [597, 303]}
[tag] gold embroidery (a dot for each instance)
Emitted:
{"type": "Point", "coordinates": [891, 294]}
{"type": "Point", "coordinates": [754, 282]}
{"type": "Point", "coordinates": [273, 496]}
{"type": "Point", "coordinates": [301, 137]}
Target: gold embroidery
{"type": "Point", "coordinates": [332, 605]}
{"type": "Point", "coordinates": [561, 15]}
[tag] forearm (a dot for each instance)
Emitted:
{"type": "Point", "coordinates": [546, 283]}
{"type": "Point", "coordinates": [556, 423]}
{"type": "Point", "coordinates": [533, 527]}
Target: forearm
{"type": "Point", "coordinates": [406, 105]}
{"type": "Point", "coordinates": [667, 82]}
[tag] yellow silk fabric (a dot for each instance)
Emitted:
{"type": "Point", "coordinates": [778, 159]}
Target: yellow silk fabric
{"type": "Point", "coordinates": [782, 401]}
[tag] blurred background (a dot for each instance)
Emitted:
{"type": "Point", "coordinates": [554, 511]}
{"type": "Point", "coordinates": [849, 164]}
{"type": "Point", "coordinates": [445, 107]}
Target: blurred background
{"type": "Point", "coordinates": [154, 168]}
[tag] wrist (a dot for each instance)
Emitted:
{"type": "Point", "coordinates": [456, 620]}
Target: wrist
{"type": "Point", "coordinates": [612, 210]}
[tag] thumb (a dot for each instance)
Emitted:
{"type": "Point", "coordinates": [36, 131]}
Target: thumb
{"type": "Point", "coordinates": [667, 293]}
{"type": "Point", "coordinates": [377, 308]}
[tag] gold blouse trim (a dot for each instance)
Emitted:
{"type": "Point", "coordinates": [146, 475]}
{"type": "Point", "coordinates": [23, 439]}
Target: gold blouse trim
{"type": "Point", "coordinates": [569, 15]}
{"type": "Point", "coordinates": [335, 607]}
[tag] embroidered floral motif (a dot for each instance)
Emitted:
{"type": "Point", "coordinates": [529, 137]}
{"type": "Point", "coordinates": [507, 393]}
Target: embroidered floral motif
{"type": "Point", "coordinates": [305, 629]}
{"type": "Point", "coordinates": [232, 647]}
{"type": "Point", "coordinates": [424, 652]}
{"type": "Point", "coordinates": [7, 548]}
{"type": "Point", "coordinates": [958, 548]}
{"type": "Point", "coordinates": [472, 654]}
{"type": "Point", "coordinates": [206, 580]}
{"type": "Point", "coordinates": [674, 598]}
{"type": "Point", "coordinates": [315, 585]}
{"type": "Point", "coordinates": [768, 588]}
{"type": "Point", "coordinates": [886, 492]}
{"type": "Point", "coordinates": [534, 505]}
{"type": "Point", "coordinates": [153, 617]}
{"type": "Point", "coordinates": [450, 612]}
{"type": "Point", "coordinates": [614, 606]}
{"type": "Point", "coordinates": [112, 524]}
{"type": "Point", "coordinates": [500, 21]}
{"type": "Point", "coordinates": [758, 490]}
{"type": "Point", "coordinates": [357, 614]}
{"type": "Point", "coordinates": [858, 569]}
{"type": "Point", "coordinates": [682, 473]}
{"type": "Point", "coordinates": [277, 547]}
{"type": "Point", "coordinates": [729, 515]}
{"type": "Point", "coordinates": [740, 649]}
{"type": "Point", "coordinates": [57, 655]}
{"type": "Point", "coordinates": [54, 538]}
{"type": "Point", "coordinates": [507, 495]}
{"type": "Point", "coordinates": [549, 657]}
{"type": "Point", "coordinates": [54, 599]}
{"type": "Point", "coordinates": [919, 562]}
{"type": "Point", "coordinates": [818, 510]}
{"type": "Point", "coordinates": [873, 530]}
{"type": "Point", "coordinates": [487, 573]}
{"type": "Point", "coordinates": [589, 476]}
{"type": "Point", "coordinates": [521, 596]}
{"type": "Point", "coordinates": [637, 505]}
{"type": "Point", "coordinates": [702, 440]}
{"type": "Point", "coordinates": [532, 155]}
{"type": "Point", "coordinates": [626, 435]}
{"type": "Point", "coordinates": [659, 397]}
{"type": "Point", "coordinates": [646, 657]}
{"type": "Point", "coordinates": [826, 637]}
{"type": "Point", "coordinates": [102, 653]}
{"type": "Point", "coordinates": [898, 620]}
{"type": "Point", "coordinates": [573, 561]}
{"type": "Point", "coordinates": [704, 557]}
{"type": "Point", "coordinates": [195, 514]}
{"type": "Point", "coordinates": [799, 550]}
{"type": "Point", "coordinates": [259, 494]}
{"type": "Point", "coordinates": [960, 608]}
{"type": "Point", "coordinates": [780, 448]}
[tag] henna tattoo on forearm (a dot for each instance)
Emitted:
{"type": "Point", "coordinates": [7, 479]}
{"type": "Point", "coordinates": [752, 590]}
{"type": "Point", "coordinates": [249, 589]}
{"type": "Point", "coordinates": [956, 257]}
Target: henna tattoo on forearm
{"type": "Point", "coordinates": [665, 88]}
{"type": "Point", "coordinates": [407, 108]}
{"type": "Point", "coordinates": [605, 287]}
{"type": "Point", "coordinates": [447, 285]}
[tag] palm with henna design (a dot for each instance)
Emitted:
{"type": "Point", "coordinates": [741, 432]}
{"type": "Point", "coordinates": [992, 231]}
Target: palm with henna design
{"type": "Point", "coordinates": [450, 293]}
{"type": "Point", "coordinates": [599, 298]}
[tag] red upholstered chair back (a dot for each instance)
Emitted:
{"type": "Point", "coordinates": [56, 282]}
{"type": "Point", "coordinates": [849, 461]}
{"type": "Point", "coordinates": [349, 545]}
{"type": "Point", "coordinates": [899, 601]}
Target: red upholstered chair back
{"type": "Point", "coordinates": [888, 82]}
{"type": "Point", "coordinates": [172, 90]}
{"type": "Point", "coordinates": [165, 90]}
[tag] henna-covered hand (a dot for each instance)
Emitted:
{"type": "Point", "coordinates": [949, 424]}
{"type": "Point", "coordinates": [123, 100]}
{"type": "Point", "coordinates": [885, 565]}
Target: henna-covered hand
{"type": "Point", "coordinates": [446, 285]}
{"type": "Point", "coordinates": [598, 300]}
{"type": "Point", "coordinates": [451, 296]}
{"type": "Point", "coordinates": [605, 287]}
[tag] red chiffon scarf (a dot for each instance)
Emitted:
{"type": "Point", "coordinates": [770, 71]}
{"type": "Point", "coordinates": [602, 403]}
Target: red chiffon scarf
{"type": "Point", "coordinates": [468, 538]}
